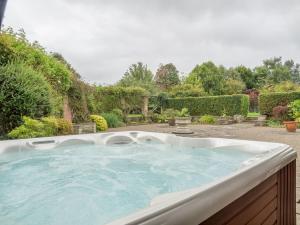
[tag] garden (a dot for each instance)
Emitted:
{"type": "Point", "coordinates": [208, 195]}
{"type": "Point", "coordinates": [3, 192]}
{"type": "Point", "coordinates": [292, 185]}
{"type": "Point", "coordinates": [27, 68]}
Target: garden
{"type": "Point", "coordinates": [209, 94]}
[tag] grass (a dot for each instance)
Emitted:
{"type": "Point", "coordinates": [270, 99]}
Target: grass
{"type": "Point", "coordinates": [253, 114]}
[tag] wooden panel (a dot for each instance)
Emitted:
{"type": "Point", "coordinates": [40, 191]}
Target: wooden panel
{"type": "Point", "coordinates": [268, 210]}
{"type": "Point", "coordinates": [286, 212]}
{"type": "Point", "coordinates": [271, 202]}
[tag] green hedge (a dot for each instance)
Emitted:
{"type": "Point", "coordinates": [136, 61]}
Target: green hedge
{"type": "Point", "coordinates": [212, 105]}
{"type": "Point", "coordinates": [268, 101]}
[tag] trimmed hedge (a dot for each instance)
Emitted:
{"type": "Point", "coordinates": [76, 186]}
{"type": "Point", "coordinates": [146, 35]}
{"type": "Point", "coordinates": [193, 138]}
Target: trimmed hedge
{"type": "Point", "coordinates": [268, 101]}
{"type": "Point", "coordinates": [212, 105]}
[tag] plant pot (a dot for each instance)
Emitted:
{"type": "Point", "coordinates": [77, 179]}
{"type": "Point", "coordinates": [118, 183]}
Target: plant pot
{"type": "Point", "coordinates": [183, 121]}
{"type": "Point", "coordinates": [171, 122]}
{"type": "Point", "coordinates": [291, 126]}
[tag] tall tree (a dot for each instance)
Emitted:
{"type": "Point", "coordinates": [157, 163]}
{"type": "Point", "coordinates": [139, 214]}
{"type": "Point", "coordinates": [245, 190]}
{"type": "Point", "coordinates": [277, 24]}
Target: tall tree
{"type": "Point", "coordinates": [167, 76]}
{"type": "Point", "coordinates": [210, 76]}
{"type": "Point", "coordinates": [247, 76]}
{"type": "Point", "coordinates": [138, 75]}
{"type": "Point", "coordinates": [273, 71]}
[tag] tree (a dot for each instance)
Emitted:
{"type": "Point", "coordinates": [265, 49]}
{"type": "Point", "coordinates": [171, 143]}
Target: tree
{"type": "Point", "coordinates": [138, 75]}
{"type": "Point", "coordinates": [247, 76]}
{"type": "Point", "coordinates": [233, 87]}
{"type": "Point", "coordinates": [210, 76]}
{"type": "Point", "coordinates": [167, 76]}
{"type": "Point", "coordinates": [187, 90]}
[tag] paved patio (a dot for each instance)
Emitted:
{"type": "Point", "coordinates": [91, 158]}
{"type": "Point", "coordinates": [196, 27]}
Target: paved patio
{"type": "Point", "coordinates": [239, 131]}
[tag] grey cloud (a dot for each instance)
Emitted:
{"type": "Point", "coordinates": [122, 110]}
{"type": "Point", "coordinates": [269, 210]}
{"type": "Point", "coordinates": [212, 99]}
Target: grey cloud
{"type": "Point", "coordinates": [101, 38]}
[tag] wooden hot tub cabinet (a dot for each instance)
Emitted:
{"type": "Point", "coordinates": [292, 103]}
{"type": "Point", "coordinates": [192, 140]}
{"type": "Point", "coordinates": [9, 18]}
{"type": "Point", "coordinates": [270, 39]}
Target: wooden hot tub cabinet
{"type": "Point", "coordinates": [271, 202]}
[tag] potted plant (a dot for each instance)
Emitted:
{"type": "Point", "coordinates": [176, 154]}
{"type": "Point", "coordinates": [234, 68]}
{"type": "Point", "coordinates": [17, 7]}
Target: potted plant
{"type": "Point", "coordinates": [224, 119]}
{"type": "Point", "coordinates": [294, 107]}
{"type": "Point", "coordinates": [182, 121]}
{"type": "Point", "coordinates": [183, 117]}
{"type": "Point", "coordinates": [171, 114]}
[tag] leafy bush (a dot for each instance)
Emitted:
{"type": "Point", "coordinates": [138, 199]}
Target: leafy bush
{"type": "Point", "coordinates": [207, 119]}
{"type": "Point", "coordinates": [112, 120]}
{"type": "Point", "coordinates": [125, 98]}
{"type": "Point", "coordinates": [285, 86]}
{"type": "Point", "coordinates": [119, 114]}
{"type": "Point", "coordinates": [212, 105]}
{"type": "Point", "coordinates": [58, 126]}
{"type": "Point", "coordinates": [171, 113]}
{"type": "Point", "coordinates": [187, 90]}
{"type": "Point", "coordinates": [101, 123]}
{"type": "Point", "coordinates": [15, 47]}
{"type": "Point", "coordinates": [274, 123]}
{"type": "Point", "coordinates": [23, 91]}
{"type": "Point", "coordinates": [47, 126]}
{"type": "Point", "coordinates": [268, 101]}
{"type": "Point", "coordinates": [280, 113]}
{"type": "Point", "coordinates": [233, 87]}
{"type": "Point", "coordinates": [184, 112]}
{"type": "Point", "coordinates": [295, 109]}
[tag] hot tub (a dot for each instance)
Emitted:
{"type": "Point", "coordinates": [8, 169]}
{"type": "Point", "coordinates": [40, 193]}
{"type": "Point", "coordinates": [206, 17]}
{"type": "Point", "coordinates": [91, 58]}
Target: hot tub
{"type": "Point", "coordinates": [145, 178]}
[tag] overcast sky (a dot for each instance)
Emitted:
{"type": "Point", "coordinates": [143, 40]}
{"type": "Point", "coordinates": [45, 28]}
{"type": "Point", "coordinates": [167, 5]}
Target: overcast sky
{"type": "Point", "coordinates": [102, 38]}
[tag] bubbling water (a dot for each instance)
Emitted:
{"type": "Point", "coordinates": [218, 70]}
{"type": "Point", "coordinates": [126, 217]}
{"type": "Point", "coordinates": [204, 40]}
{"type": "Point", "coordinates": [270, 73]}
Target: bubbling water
{"type": "Point", "coordinates": [96, 184]}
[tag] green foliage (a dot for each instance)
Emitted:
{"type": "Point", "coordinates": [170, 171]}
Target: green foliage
{"type": "Point", "coordinates": [138, 75]}
{"type": "Point", "coordinates": [77, 100]}
{"type": "Point", "coordinates": [187, 90]}
{"type": "Point", "coordinates": [285, 86]}
{"type": "Point", "coordinates": [295, 109]}
{"type": "Point", "coordinates": [171, 113]}
{"type": "Point", "coordinates": [274, 123]}
{"type": "Point", "coordinates": [274, 71]}
{"type": "Point", "coordinates": [23, 91]}
{"type": "Point", "coordinates": [207, 119]}
{"type": "Point", "coordinates": [167, 76]}
{"type": "Point", "coordinates": [233, 87]}
{"type": "Point", "coordinates": [47, 126]}
{"type": "Point", "coordinates": [15, 47]}
{"type": "Point", "coordinates": [270, 100]}
{"type": "Point", "coordinates": [119, 114]}
{"type": "Point", "coordinates": [247, 76]}
{"type": "Point", "coordinates": [101, 123]}
{"type": "Point", "coordinates": [30, 129]}
{"type": "Point", "coordinates": [112, 120]}
{"type": "Point", "coordinates": [184, 112]}
{"type": "Point", "coordinates": [125, 98]}
{"type": "Point", "coordinates": [212, 105]}
{"type": "Point", "coordinates": [210, 76]}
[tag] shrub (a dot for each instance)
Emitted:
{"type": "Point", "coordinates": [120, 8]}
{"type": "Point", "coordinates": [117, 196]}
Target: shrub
{"type": "Point", "coordinates": [295, 109]}
{"type": "Point", "coordinates": [233, 87]}
{"type": "Point", "coordinates": [112, 120]}
{"type": "Point", "coordinates": [274, 123]}
{"type": "Point", "coordinates": [101, 123]}
{"type": "Point", "coordinates": [212, 105]}
{"type": "Point", "coordinates": [280, 113]}
{"type": "Point", "coordinates": [187, 90]}
{"type": "Point", "coordinates": [47, 126]}
{"type": "Point", "coordinates": [15, 47]}
{"type": "Point", "coordinates": [268, 101]}
{"type": "Point", "coordinates": [125, 98]}
{"type": "Point", "coordinates": [119, 114]}
{"type": "Point", "coordinates": [171, 113]}
{"type": "Point", "coordinates": [184, 112]}
{"type": "Point", "coordinates": [207, 119]}
{"type": "Point", "coordinates": [23, 91]}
